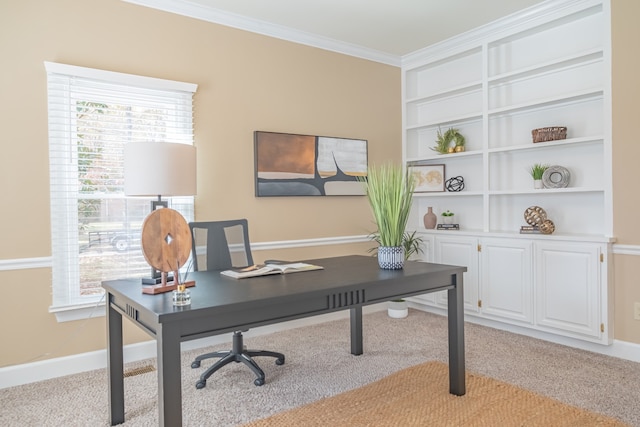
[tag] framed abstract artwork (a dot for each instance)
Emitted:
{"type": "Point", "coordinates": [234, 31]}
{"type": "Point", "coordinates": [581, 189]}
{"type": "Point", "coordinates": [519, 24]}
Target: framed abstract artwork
{"type": "Point", "coordinates": [306, 165]}
{"type": "Point", "coordinates": [429, 178]}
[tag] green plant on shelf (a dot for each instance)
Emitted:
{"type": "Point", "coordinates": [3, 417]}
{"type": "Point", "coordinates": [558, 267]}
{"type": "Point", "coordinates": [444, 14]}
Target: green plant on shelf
{"type": "Point", "coordinates": [444, 140]}
{"type": "Point", "coordinates": [537, 170]}
{"type": "Point", "coordinates": [447, 213]}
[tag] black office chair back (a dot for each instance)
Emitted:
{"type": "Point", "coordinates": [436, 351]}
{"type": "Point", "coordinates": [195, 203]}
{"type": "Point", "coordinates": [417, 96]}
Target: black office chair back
{"type": "Point", "coordinates": [227, 244]}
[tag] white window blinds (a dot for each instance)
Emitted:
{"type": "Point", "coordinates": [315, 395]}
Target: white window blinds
{"type": "Point", "coordinates": [95, 229]}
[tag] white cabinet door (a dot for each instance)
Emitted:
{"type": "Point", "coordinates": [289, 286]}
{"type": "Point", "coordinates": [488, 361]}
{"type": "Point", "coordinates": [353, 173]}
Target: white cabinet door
{"type": "Point", "coordinates": [568, 288]}
{"type": "Point", "coordinates": [427, 256]}
{"type": "Point", "coordinates": [462, 251]}
{"type": "Point", "coordinates": [506, 287]}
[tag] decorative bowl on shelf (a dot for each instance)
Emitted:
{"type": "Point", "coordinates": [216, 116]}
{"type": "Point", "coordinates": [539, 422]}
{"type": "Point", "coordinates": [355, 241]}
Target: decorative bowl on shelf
{"type": "Point", "coordinates": [556, 177]}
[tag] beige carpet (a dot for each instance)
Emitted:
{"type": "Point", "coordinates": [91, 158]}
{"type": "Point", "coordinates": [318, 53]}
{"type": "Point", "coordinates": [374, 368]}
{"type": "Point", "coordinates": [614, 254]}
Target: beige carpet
{"type": "Point", "coordinates": [319, 366]}
{"type": "Point", "coordinates": [418, 396]}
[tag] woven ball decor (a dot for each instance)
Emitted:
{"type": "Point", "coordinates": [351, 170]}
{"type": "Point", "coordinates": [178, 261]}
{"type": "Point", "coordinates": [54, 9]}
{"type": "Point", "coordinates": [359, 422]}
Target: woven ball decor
{"type": "Point", "coordinates": [535, 215]}
{"type": "Point", "coordinates": [547, 227]}
{"type": "Point", "coordinates": [537, 218]}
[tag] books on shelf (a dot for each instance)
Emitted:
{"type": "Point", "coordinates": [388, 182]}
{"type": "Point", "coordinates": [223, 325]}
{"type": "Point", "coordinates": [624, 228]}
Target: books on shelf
{"type": "Point", "coordinates": [448, 227]}
{"type": "Point", "coordinates": [267, 269]}
{"type": "Point", "coordinates": [530, 229]}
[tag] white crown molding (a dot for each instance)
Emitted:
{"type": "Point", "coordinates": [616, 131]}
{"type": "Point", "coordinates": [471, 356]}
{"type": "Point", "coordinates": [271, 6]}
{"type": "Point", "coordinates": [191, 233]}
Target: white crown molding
{"type": "Point", "coordinates": [217, 16]}
{"type": "Point", "coordinates": [502, 27]}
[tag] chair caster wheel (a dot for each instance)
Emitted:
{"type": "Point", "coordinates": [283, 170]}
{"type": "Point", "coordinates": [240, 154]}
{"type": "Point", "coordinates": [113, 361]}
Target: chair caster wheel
{"type": "Point", "coordinates": [195, 365]}
{"type": "Point", "coordinates": [258, 382]}
{"type": "Point", "coordinates": [201, 384]}
{"type": "Point", "coordinates": [280, 361]}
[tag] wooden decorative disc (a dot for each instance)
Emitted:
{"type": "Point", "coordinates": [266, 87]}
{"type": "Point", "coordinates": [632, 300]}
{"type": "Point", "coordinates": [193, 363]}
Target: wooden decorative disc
{"type": "Point", "coordinates": [166, 240]}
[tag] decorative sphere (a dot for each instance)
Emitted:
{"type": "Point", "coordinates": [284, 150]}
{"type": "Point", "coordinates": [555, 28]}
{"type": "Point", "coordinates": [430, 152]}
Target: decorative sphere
{"type": "Point", "coordinates": [535, 215]}
{"type": "Point", "coordinates": [455, 184]}
{"type": "Point", "coordinates": [547, 227]}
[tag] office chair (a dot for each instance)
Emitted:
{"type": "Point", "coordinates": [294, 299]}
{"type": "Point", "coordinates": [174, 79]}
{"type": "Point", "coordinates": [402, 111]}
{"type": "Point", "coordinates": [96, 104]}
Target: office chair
{"type": "Point", "coordinates": [228, 246]}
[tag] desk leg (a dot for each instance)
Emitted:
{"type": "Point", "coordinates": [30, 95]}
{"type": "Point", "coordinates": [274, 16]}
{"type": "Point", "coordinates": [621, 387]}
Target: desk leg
{"type": "Point", "coordinates": [356, 331]}
{"type": "Point", "coordinates": [456, 337]}
{"type": "Point", "coordinates": [115, 364]}
{"type": "Point", "coordinates": [169, 376]}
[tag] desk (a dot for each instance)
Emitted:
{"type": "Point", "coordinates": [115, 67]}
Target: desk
{"type": "Point", "coordinates": [220, 305]}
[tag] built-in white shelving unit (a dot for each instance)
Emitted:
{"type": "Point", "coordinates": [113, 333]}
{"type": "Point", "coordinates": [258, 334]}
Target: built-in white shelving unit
{"type": "Point", "coordinates": [547, 66]}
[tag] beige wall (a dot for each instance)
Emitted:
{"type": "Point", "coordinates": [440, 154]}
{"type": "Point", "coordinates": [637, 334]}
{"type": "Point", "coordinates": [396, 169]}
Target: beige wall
{"type": "Point", "coordinates": [626, 155]}
{"type": "Point", "coordinates": [246, 82]}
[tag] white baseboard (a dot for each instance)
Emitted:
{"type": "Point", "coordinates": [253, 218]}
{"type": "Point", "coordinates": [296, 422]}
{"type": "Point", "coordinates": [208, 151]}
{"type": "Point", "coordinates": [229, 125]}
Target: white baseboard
{"type": "Point", "coordinates": [620, 349]}
{"type": "Point", "coordinates": [26, 373]}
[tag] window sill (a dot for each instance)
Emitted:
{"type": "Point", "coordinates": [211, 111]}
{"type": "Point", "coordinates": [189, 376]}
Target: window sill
{"type": "Point", "coordinates": [79, 311]}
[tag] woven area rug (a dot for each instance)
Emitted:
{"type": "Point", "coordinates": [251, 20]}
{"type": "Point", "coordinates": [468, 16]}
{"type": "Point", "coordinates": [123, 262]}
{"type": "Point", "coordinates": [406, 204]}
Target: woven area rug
{"type": "Point", "coordinates": [419, 396]}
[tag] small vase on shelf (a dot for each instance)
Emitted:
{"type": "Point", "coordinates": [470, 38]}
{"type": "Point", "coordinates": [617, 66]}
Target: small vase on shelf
{"type": "Point", "coordinates": [430, 219]}
{"type": "Point", "coordinates": [537, 184]}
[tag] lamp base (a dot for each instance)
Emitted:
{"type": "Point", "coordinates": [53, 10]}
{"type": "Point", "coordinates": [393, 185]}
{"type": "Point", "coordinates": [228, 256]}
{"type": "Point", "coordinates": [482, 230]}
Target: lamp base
{"type": "Point", "coordinates": [155, 280]}
{"type": "Point", "coordinates": [170, 286]}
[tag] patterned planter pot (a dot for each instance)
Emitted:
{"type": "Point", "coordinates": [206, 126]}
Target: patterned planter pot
{"type": "Point", "coordinates": [391, 257]}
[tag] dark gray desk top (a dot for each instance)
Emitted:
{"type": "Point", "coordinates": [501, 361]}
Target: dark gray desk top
{"type": "Point", "coordinates": [356, 279]}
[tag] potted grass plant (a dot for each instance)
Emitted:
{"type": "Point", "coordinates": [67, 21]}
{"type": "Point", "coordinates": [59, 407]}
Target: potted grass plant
{"type": "Point", "coordinates": [537, 171]}
{"type": "Point", "coordinates": [389, 191]}
{"type": "Point", "coordinates": [390, 195]}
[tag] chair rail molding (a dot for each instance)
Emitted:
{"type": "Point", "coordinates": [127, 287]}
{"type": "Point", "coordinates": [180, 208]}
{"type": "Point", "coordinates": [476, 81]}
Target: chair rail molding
{"type": "Point", "coordinates": [25, 263]}
{"type": "Point", "coordinates": [46, 262]}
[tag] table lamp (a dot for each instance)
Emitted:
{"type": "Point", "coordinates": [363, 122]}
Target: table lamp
{"type": "Point", "coordinates": [157, 169]}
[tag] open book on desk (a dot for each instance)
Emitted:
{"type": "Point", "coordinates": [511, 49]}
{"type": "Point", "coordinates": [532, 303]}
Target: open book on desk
{"type": "Point", "coordinates": [267, 269]}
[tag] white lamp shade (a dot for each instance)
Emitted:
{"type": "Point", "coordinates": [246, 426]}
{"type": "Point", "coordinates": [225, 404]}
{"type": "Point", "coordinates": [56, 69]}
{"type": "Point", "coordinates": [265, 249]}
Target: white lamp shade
{"type": "Point", "coordinates": [159, 169]}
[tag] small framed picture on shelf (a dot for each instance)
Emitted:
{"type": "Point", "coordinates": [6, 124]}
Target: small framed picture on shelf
{"type": "Point", "coordinates": [429, 178]}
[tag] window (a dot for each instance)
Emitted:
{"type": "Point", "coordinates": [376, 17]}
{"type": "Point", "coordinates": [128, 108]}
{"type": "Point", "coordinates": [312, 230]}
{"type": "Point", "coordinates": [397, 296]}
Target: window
{"type": "Point", "coordinates": [95, 229]}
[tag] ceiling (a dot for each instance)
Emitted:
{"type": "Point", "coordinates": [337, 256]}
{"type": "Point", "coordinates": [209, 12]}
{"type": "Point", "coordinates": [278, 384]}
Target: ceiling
{"type": "Point", "coordinates": [383, 30]}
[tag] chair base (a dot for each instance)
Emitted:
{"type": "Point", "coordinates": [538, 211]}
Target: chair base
{"type": "Point", "coordinates": [237, 354]}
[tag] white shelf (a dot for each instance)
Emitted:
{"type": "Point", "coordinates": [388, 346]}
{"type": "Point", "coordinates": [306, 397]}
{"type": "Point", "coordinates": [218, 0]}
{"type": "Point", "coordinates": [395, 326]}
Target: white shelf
{"type": "Point", "coordinates": [462, 193]}
{"type": "Point", "coordinates": [448, 121]}
{"type": "Point", "coordinates": [468, 87]}
{"type": "Point", "coordinates": [547, 191]}
{"type": "Point", "coordinates": [549, 101]}
{"type": "Point", "coordinates": [592, 238]}
{"type": "Point", "coordinates": [548, 144]}
{"type": "Point", "coordinates": [416, 161]}
{"type": "Point", "coordinates": [592, 55]}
